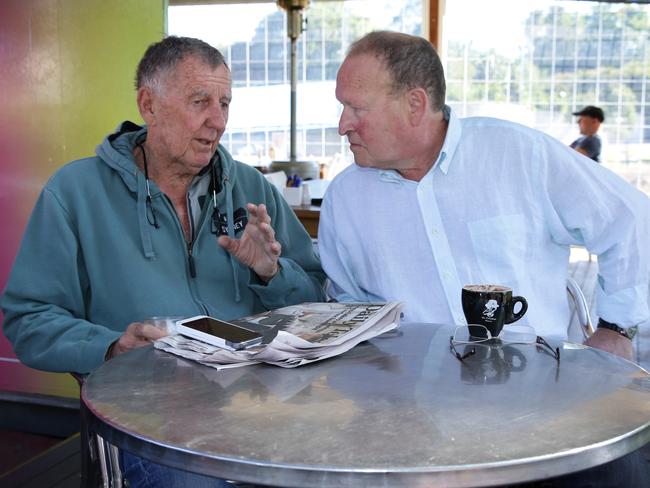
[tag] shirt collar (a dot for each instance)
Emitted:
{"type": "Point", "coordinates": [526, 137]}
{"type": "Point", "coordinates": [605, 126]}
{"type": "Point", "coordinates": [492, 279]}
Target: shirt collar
{"type": "Point", "coordinates": [452, 139]}
{"type": "Point", "coordinates": [449, 146]}
{"type": "Point", "coordinates": [389, 175]}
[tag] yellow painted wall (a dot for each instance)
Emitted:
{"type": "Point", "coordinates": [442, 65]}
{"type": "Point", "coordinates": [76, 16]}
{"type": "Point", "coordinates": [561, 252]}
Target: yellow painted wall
{"type": "Point", "coordinates": [81, 65]}
{"type": "Point", "coordinates": [66, 81]}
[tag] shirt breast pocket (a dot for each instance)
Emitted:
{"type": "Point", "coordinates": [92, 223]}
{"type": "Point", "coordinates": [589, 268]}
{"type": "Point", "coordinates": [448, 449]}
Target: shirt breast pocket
{"type": "Point", "coordinates": [500, 248]}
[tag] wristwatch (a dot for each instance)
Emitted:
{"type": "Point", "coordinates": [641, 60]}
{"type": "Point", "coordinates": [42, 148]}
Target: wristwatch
{"type": "Point", "coordinates": [629, 333]}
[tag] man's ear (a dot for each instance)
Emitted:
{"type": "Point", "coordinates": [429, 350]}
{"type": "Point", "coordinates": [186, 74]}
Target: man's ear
{"type": "Point", "coordinates": [418, 105]}
{"type": "Point", "coordinates": [145, 99]}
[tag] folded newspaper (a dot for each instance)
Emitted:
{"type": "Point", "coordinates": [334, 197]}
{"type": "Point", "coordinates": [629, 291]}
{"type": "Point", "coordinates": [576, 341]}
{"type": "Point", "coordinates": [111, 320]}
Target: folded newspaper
{"type": "Point", "coordinates": [305, 333]}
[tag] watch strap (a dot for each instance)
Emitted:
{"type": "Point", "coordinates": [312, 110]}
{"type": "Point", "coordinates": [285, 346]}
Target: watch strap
{"type": "Point", "coordinates": [629, 333]}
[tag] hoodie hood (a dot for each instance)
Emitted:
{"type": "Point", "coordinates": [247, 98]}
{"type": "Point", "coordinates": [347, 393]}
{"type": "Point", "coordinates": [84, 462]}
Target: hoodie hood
{"type": "Point", "coordinates": [117, 152]}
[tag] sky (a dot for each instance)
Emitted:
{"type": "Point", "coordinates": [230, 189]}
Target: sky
{"type": "Point", "coordinates": [200, 20]}
{"type": "Point", "coordinates": [483, 27]}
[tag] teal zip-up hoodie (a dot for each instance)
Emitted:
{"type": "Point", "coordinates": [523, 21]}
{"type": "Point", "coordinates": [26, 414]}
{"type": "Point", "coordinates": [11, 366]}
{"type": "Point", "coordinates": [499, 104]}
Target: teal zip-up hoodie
{"type": "Point", "coordinates": [91, 263]}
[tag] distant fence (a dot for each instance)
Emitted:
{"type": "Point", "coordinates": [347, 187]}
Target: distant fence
{"type": "Point", "coordinates": [636, 173]}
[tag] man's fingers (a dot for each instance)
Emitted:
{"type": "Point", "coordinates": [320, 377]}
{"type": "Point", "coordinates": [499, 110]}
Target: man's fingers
{"type": "Point", "coordinates": [268, 231]}
{"type": "Point", "coordinates": [253, 213]}
{"type": "Point", "coordinates": [136, 335]}
{"type": "Point", "coordinates": [258, 213]}
{"type": "Point", "coordinates": [143, 333]}
{"type": "Point", "coordinates": [133, 332]}
{"type": "Point", "coordinates": [263, 214]}
{"type": "Point", "coordinates": [152, 333]}
{"type": "Point", "coordinates": [228, 244]}
{"type": "Point", "coordinates": [275, 248]}
{"type": "Point", "coordinates": [257, 247]}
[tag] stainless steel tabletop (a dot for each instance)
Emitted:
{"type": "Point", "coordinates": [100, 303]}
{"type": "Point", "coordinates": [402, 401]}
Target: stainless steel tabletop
{"type": "Point", "coordinates": [400, 410]}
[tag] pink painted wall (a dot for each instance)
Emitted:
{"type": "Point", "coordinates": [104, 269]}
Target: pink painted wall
{"type": "Point", "coordinates": [66, 80]}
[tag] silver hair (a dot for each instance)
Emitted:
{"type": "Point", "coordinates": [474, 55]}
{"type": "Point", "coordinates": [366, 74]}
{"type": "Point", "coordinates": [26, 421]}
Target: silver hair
{"type": "Point", "coordinates": [163, 56]}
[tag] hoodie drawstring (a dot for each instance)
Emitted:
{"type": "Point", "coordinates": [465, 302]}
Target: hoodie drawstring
{"type": "Point", "coordinates": [231, 233]}
{"type": "Point", "coordinates": [143, 220]}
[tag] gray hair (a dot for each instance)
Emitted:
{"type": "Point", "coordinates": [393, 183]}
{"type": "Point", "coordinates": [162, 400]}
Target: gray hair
{"type": "Point", "coordinates": [162, 57]}
{"type": "Point", "coordinates": [412, 62]}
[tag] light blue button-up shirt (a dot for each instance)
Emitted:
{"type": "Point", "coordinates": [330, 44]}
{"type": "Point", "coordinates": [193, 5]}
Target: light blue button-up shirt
{"type": "Point", "coordinates": [501, 205]}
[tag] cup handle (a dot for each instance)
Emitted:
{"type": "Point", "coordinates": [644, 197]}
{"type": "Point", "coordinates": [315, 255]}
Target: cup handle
{"type": "Point", "coordinates": [512, 316]}
{"type": "Point", "coordinates": [511, 353]}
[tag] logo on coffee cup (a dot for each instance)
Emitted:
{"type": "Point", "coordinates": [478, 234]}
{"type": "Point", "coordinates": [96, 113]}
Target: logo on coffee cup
{"type": "Point", "coordinates": [490, 308]}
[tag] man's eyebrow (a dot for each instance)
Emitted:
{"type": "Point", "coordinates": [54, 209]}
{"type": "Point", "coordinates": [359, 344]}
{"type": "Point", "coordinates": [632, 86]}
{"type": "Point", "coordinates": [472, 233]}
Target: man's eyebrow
{"type": "Point", "coordinates": [199, 92]}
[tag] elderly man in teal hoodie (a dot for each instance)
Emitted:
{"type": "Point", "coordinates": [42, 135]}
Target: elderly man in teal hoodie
{"type": "Point", "coordinates": [161, 221]}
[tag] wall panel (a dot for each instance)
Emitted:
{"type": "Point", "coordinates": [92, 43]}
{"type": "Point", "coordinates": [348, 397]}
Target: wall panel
{"type": "Point", "coordinates": [66, 80]}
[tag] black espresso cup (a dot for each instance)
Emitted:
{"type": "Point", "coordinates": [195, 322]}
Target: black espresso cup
{"type": "Point", "coordinates": [491, 306]}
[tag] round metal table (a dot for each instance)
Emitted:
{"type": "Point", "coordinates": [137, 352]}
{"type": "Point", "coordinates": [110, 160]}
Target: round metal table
{"type": "Point", "coordinates": [399, 410]}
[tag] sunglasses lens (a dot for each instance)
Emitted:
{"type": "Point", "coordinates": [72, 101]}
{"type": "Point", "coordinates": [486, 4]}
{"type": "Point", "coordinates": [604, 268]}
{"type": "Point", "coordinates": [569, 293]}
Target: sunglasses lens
{"type": "Point", "coordinates": [522, 334]}
{"type": "Point", "coordinates": [478, 332]}
{"type": "Point", "coordinates": [470, 333]}
{"type": "Point", "coordinates": [217, 223]}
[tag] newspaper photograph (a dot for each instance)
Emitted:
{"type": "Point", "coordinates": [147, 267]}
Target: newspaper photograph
{"type": "Point", "coordinates": [301, 334]}
{"type": "Point", "coordinates": [319, 323]}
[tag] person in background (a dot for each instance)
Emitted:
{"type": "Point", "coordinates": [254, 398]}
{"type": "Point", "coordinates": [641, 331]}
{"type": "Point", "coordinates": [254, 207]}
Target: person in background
{"type": "Point", "coordinates": [161, 221]}
{"type": "Point", "coordinates": [435, 202]}
{"type": "Point", "coordinates": [589, 120]}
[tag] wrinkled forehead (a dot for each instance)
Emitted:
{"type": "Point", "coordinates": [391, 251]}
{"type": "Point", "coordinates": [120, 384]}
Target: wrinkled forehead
{"type": "Point", "coordinates": [364, 66]}
{"type": "Point", "coordinates": [363, 72]}
{"type": "Point", "coordinates": [193, 71]}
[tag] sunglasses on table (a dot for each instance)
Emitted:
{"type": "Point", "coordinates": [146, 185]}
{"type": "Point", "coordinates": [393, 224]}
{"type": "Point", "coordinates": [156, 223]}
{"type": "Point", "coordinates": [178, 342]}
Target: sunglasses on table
{"type": "Point", "coordinates": [513, 334]}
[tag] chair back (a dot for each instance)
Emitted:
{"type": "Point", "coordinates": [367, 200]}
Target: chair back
{"type": "Point", "coordinates": [100, 465]}
{"type": "Point", "coordinates": [580, 316]}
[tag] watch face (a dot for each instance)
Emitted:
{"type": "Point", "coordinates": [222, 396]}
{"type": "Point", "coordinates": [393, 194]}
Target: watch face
{"type": "Point", "coordinates": [631, 331]}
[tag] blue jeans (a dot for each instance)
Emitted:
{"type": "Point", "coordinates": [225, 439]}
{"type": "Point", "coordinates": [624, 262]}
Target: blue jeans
{"type": "Point", "coordinates": [630, 471]}
{"type": "Point", "coordinates": [141, 473]}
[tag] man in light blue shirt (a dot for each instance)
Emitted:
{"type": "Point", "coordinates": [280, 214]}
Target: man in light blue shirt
{"type": "Point", "coordinates": [435, 202]}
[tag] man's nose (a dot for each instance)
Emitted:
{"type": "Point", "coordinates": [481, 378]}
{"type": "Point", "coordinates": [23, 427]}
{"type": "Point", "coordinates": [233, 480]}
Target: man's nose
{"type": "Point", "coordinates": [217, 118]}
{"type": "Point", "coordinates": [345, 123]}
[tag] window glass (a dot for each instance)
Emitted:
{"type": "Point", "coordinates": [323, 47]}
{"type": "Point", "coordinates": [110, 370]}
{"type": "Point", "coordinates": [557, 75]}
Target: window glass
{"type": "Point", "coordinates": [536, 62]}
{"type": "Point", "coordinates": [253, 39]}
